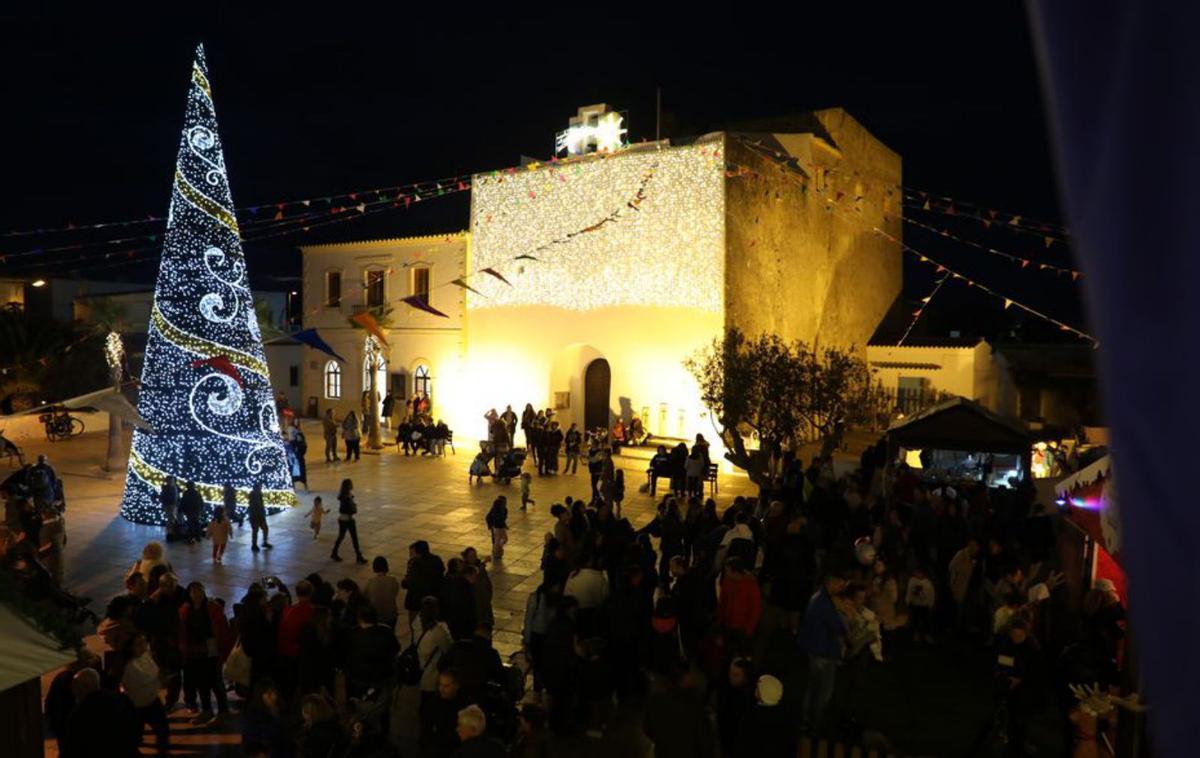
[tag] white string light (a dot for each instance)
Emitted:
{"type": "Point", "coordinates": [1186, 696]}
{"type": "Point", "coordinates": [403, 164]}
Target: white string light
{"type": "Point", "coordinates": [669, 251]}
{"type": "Point", "coordinates": [209, 427]}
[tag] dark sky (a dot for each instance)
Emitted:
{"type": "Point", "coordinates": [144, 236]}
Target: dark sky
{"type": "Point", "coordinates": [333, 97]}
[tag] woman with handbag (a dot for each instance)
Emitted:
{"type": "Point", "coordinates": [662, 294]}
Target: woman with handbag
{"type": "Point", "coordinates": [205, 642]}
{"type": "Point", "coordinates": [346, 524]}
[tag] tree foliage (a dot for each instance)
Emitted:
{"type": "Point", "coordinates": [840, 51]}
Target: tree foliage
{"type": "Point", "coordinates": [779, 391]}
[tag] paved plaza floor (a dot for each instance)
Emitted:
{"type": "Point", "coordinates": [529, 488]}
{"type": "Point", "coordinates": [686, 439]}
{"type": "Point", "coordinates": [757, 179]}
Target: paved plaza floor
{"type": "Point", "coordinates": [400, 499]}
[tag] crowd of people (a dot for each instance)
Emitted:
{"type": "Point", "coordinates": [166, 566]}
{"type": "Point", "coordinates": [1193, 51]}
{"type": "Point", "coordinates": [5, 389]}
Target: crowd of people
{"type": "Point", "coordinates": [670, 620]}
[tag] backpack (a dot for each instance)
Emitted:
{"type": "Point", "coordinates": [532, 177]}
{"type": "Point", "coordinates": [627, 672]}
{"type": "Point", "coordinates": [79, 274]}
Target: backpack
{"type": "Point", "coordinates": [408, 665]}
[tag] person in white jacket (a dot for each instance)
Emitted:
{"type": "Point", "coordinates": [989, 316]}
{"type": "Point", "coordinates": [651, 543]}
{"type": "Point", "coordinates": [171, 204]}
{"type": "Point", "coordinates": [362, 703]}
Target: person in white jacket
{"type": "Point", "coordinates": [140, 681]}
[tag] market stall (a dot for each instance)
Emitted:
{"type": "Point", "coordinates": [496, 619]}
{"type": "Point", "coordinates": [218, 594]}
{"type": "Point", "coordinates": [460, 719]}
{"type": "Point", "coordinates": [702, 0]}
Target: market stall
{"type": "Point", "coordinates": [1088, 499]}
{"type": "Point", "coordinates": [960, 439]}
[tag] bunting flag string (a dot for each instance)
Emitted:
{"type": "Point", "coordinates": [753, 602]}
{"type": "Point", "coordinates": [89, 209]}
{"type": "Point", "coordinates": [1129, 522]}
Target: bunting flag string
{"type": "Point", "coordinates": [1046, 235]}
{"type": "Point", "coordinates": [430, 186]}
{"type": "Point", "coordinates": [1008, 301]}
{"type": "Point", "coordinates": [1020, 260]}
{"type": "Point", "coordinates": [951, 206]}
{"type": "Point", "coordinates": [921, 310]}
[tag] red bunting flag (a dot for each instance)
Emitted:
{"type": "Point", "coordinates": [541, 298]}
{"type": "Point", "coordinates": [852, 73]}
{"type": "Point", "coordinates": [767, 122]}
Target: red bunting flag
{"type": "Point", "coordinates": [916, 313]}
{"type": "Point", "coordinates": [495, 273]}
{"type": "Point", "coordinates": [418, 302]}
{"type": "Point", "coordinates": [367, 321]}
{"type": "Point", "coordinates": [223, 365]}
{"type": "Point", "coordinates": [1024, 263]}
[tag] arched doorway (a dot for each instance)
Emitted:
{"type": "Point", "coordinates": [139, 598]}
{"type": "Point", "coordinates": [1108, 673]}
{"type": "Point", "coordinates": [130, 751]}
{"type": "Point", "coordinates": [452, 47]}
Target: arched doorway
{"type": "Point", "coordinates": [597, 379]}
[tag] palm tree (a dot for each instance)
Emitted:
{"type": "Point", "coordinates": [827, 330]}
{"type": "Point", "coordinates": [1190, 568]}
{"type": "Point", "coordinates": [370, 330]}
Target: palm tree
{"type": "Point", "coordinates": [375, 359]}
{"type": "Point", "coordinates": [108, 318]}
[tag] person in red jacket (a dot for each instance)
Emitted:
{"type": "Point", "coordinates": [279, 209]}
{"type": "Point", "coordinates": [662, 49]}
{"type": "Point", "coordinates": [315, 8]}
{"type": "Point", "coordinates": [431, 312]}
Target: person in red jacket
{"type": "Point", "coordinates": [205, 642]}
{"type": "Point", "coordinates": [294, 619]}
{"type": "Point", "coordinates": [740, 605]}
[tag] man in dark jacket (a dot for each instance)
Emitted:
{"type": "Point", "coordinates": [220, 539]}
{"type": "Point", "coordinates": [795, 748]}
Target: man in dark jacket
{"type": "Point", "coordinates": [821, 636]}
{"type": "Point", "coordinates": [191, 506]}
{"type": "Point", "coordinates": [257, 513]}
{"type": "Point", "coordinates": [103, 722]}
{"type": "Point", "coordinates": [371, 650]}
{"type": "Point", "coordinates": [423, 578]}
{"type": "Point", "coordinates": [439, 717]}
{"type": "Point", "coordinates": [476, 662]}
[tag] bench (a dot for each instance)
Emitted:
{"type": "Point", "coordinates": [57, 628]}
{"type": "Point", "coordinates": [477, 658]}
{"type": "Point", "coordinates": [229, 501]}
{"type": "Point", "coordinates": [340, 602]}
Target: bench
{"type": "Point", "coordinates": [710, 476]}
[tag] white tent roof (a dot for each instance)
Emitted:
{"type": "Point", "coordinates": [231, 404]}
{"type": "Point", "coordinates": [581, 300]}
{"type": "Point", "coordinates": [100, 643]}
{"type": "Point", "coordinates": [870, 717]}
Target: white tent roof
{"type": "Point", "coordinates": [28, 653]}
{"type": "Point", "coordinates": [1085, 476]}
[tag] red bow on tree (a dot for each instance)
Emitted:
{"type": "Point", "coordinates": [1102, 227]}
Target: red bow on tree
{"type": "Point", "coordinates": [222, 364]}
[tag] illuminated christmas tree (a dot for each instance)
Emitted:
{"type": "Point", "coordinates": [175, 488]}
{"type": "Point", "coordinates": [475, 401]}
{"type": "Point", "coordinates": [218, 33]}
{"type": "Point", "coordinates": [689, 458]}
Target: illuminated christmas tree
{"type": "Point", "coordinates": [205, 388]}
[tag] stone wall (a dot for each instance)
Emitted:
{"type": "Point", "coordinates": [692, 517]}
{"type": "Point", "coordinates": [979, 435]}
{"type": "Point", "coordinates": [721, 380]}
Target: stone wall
{"type": "Point", "coordinates": [800, 262]}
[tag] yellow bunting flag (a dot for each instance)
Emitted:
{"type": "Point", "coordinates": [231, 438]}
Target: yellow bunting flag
{"type": "Point", "coordinates": [367, 321]}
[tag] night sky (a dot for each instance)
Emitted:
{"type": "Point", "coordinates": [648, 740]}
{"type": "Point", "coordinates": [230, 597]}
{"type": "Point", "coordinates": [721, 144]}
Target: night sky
{"type": "Point", "coordinates": [328, 98]}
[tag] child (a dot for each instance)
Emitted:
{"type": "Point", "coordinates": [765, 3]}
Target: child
{"type": "Point", "coordinates": [497, 522]}
{"type": "Point", "coordinates": [526, 483]}
{"type": "Point", "coordinates": [618, 492]}
{"type": "Point", "coordinates": [478, 470]}
{"type": "Point", "coordinates": [218, 532]}
{"type": "Point", "coordinates": [314, 516]}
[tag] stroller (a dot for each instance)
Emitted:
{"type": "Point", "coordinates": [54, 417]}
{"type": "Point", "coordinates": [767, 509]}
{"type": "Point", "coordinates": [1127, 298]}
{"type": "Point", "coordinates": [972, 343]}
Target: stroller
{"type": "Point", "coordinates": [511, 463]}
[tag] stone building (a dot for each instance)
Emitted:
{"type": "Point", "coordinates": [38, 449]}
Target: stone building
{"type": "Point", "coordinates": [618, 266]}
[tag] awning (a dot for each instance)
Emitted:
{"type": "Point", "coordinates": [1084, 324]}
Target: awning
{"type": "Point", "coordinates": [108, 400]}
{"type": "Point", "coordinates": [1086, 476]}
{"type": "Point", "coordinates": [28, 653]}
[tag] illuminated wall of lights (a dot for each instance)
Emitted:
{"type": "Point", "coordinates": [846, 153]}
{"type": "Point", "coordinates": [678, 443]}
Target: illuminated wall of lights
{"type": "Point", "coordinates": [208, 427]}
{"type": "Point", "coordinates": [669, 252]}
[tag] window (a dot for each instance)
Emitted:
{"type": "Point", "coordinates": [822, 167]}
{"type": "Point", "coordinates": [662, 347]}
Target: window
{"type": "Point", "coordinates": [375, 287]}
{"type": "Point", "coordinates": [420, 284]}
{"type": "Point", "coordinates": [333, 381]}
{"type": "Point", "coordinates": [333, 289]}
{"type": "Point", "coordinates": [422, 382]}
{"type": "Point", "coordinates": [293, 376]}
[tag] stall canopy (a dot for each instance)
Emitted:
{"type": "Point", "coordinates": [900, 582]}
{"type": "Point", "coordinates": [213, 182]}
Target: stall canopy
{"type": "Point", "coordinates": [28, 653]}
{"type": "Point", "coordinates": [960, 424]}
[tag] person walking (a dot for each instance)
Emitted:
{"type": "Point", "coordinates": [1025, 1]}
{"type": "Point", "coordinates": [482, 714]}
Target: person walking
{"type": "Point", "coordinates": [351, 434]}
{"type": "Point", "coordinates": [218, 532]}
{"type": "Point", "coordinates": [258, 518]}
{"type": "Point", "coordinates": [329, 428]}
{"type": "Point", "coordinates": [347, 508]}
{"type": "Point", "coordinates": [497, 524]}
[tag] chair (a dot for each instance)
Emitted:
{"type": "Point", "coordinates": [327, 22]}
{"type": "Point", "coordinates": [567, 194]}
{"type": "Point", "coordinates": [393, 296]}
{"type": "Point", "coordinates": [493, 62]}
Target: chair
{"type": "Point", "coordinates": [450, 441]}
{"type": "Point", "coordinates": [710, 476]}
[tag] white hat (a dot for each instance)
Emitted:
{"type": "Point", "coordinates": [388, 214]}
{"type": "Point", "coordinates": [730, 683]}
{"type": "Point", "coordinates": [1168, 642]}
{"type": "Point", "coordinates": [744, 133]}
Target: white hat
{"type": "Point", "coordinates": [769, 690]}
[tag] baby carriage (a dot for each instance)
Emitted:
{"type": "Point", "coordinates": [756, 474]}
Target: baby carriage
{"type": "Point", "coordinates": [510, 465]}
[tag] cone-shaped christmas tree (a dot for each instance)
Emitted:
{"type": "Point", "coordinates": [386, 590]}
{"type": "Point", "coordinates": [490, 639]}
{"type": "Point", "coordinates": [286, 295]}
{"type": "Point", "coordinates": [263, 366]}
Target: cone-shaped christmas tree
{"type": "Point", "coordinates": [205, 388]}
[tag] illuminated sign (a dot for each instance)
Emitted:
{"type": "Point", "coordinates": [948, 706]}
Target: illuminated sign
{"type": "Point", "coordinates": [593, 129]}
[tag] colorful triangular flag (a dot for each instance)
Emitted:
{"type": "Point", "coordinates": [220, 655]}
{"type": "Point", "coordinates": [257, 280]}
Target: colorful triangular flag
{"type": "Point", "coordinates": [495, 273]}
